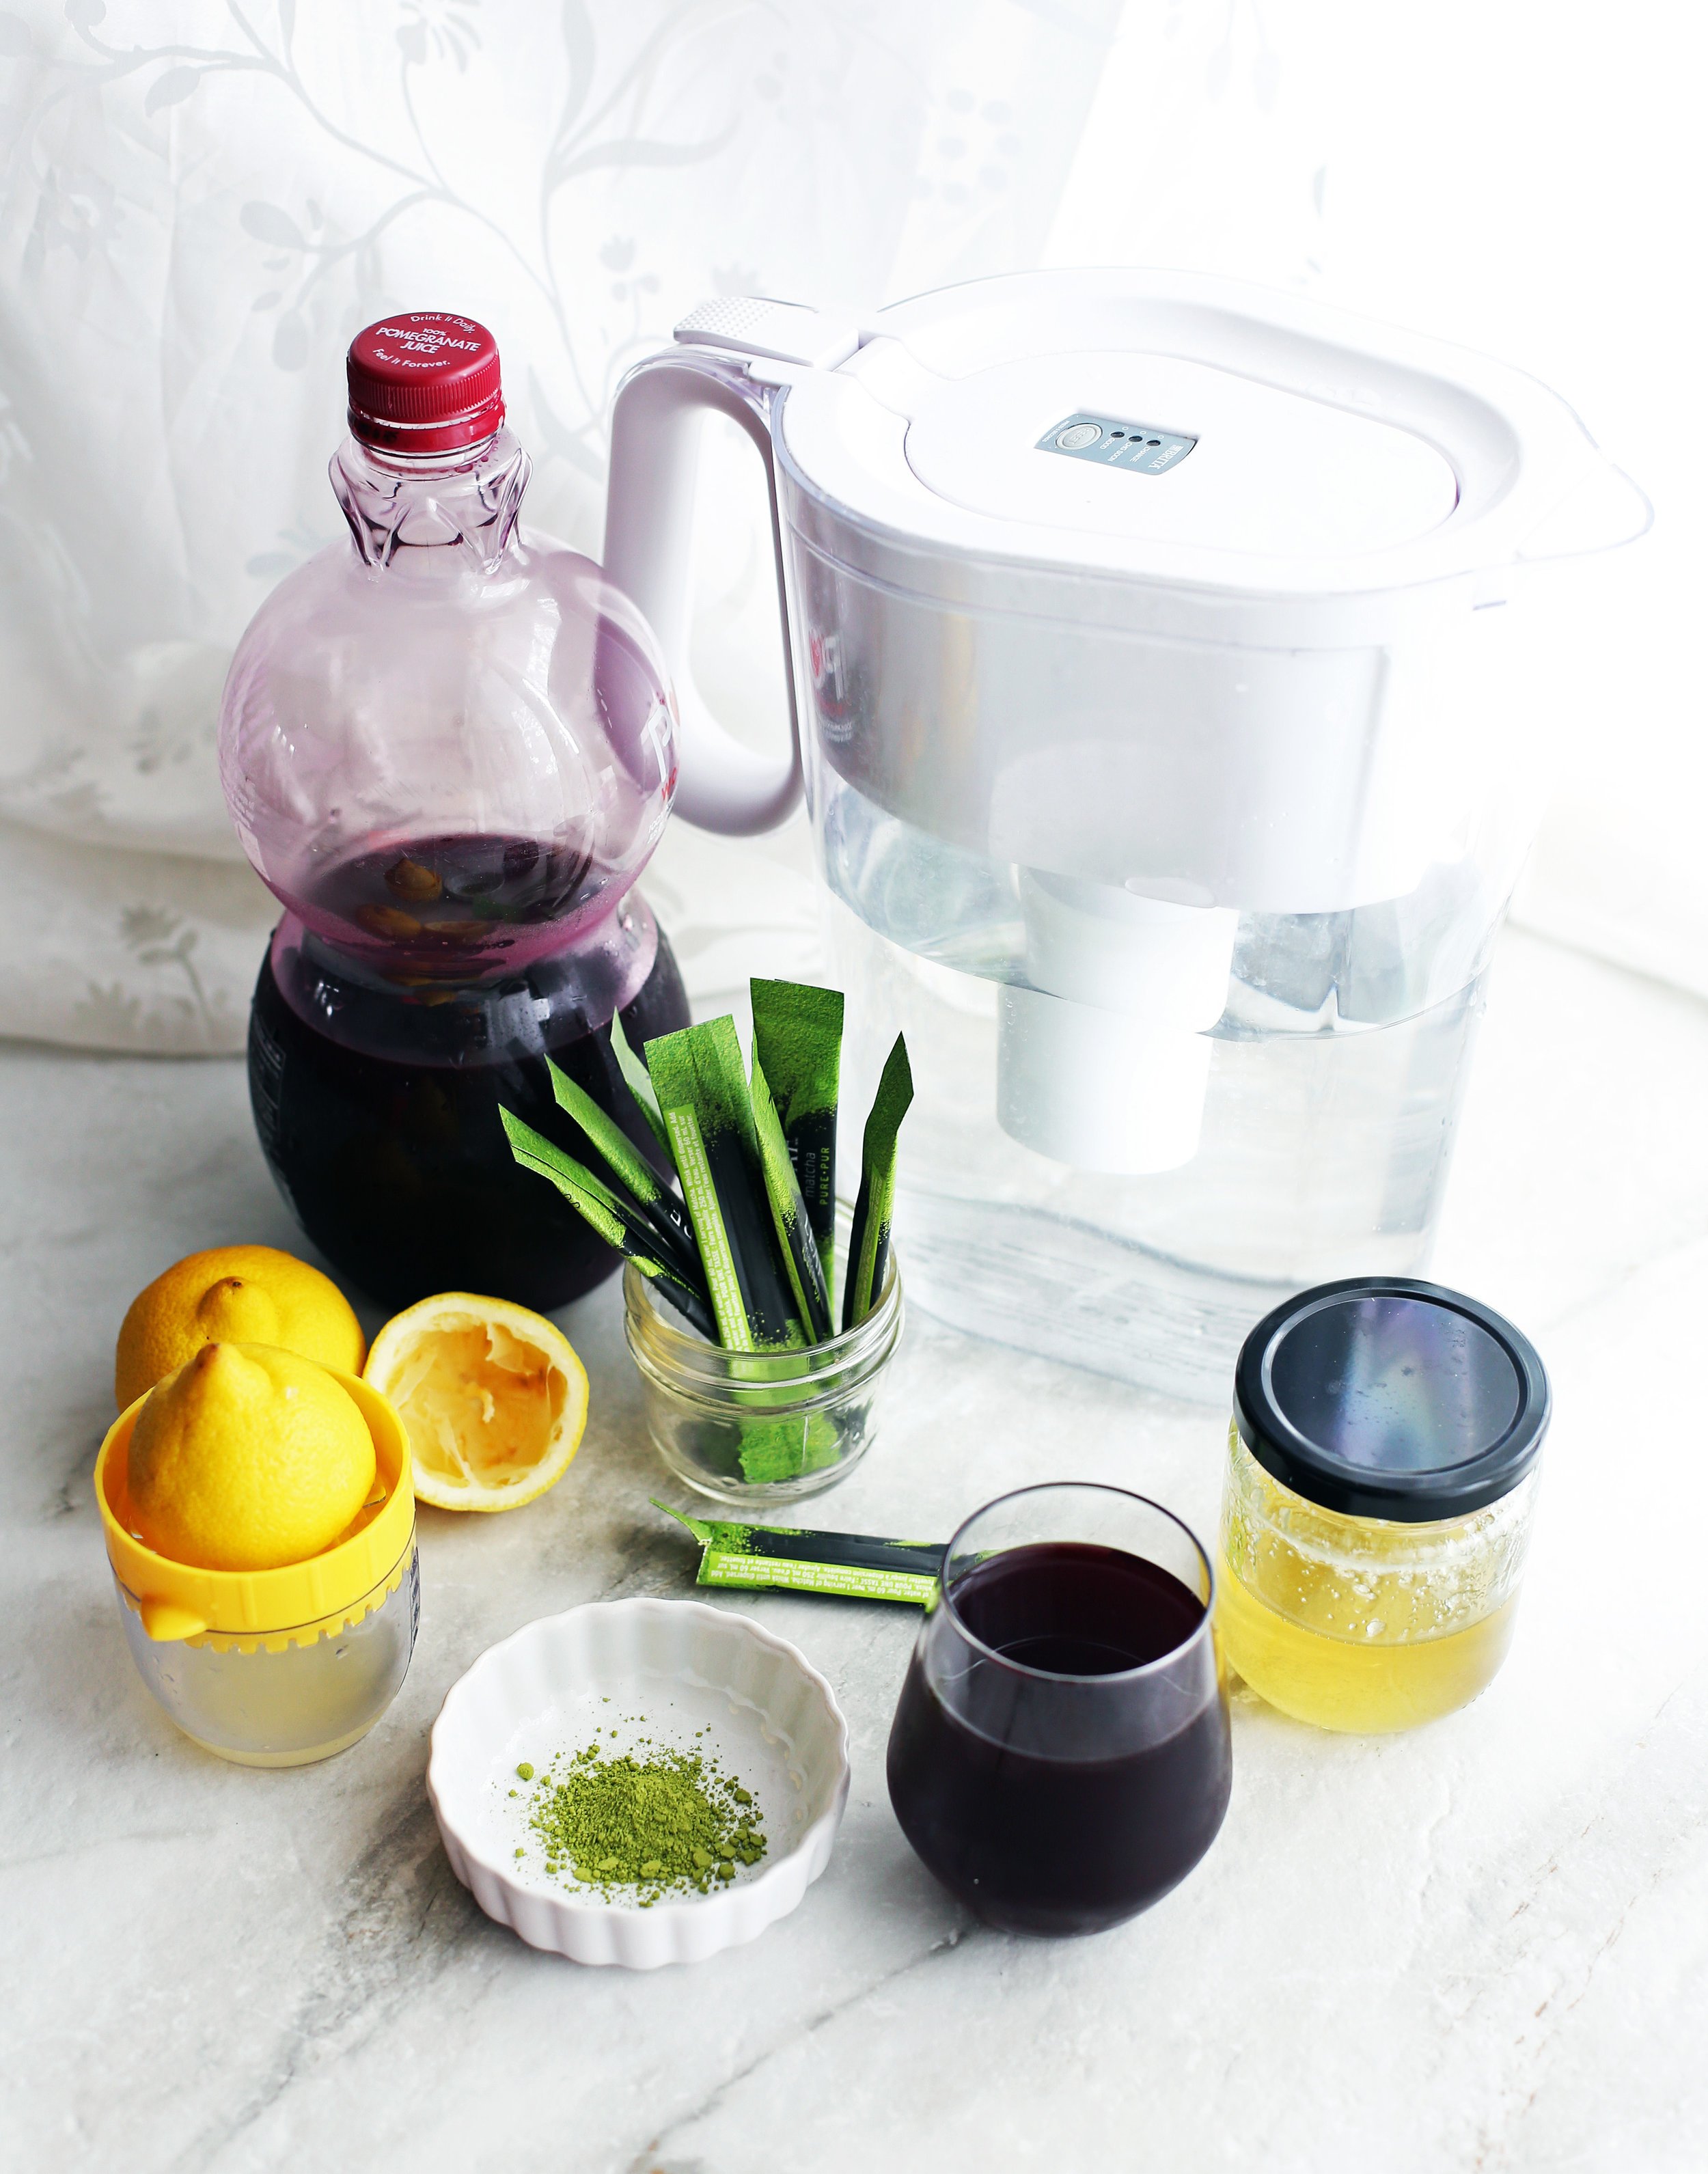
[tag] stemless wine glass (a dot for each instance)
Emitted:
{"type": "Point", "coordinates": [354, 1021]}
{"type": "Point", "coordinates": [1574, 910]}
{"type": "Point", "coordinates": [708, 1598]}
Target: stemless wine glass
{"type": "Point", "coordinates": [1060, 1756]}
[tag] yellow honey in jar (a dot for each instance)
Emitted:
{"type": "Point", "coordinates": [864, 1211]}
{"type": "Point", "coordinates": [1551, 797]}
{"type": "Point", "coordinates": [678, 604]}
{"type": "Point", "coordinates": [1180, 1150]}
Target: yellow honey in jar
{"type": "Point", "coordinates": [1362, 1413]}
{"type": "Point", "coordinates": [1357, 1623]}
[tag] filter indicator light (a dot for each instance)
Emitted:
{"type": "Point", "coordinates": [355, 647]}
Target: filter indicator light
{"type": "Point", "coordinates": [1139, 448]}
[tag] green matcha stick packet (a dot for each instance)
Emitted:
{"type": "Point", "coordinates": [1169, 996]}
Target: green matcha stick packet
{"type": "Point", "coordinates": [868, 1243]}
{"type": "Point", "coordinates": [638, 1081]}
{"type": "Point", "coordinates": [547, 1160]}
{"type": "Point", "coordinates": [658, 1205]}
{"type": "Point", "coordinates": [797, 1039]}
{"type": "Point", "coordinates": [618, 1225]}
{"type": "Point", "coordinates": [851, 1565]}
{"type": "Point", "coordinates": [789, 1215]}
{"type": "Point", "coordinates": [703, 1096]}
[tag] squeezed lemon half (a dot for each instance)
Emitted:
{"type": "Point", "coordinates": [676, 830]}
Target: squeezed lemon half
{"type": "Point", "coordinates": [494, 1397]}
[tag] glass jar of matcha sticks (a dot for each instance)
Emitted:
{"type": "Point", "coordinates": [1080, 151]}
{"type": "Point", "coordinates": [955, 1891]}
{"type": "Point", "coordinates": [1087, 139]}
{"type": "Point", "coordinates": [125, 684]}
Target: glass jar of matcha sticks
{"type": "Point", "coordinates": [761, 1426]}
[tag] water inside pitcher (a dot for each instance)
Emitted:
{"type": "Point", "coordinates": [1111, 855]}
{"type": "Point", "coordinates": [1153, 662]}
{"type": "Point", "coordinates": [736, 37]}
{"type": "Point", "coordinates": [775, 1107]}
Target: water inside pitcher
{"type": "Point", "coordinates": [1328, 1118]}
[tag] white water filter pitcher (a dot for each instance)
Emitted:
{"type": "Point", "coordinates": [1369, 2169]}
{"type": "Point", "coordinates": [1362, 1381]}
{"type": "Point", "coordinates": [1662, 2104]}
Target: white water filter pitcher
{"type": "Point", "coordinates": [1167, 783]}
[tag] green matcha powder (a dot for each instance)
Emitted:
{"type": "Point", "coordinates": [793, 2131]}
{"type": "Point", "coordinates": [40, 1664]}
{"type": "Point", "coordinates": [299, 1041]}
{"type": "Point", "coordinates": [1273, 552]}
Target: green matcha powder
{"type": "Point", "coordinates": [665, 1822]}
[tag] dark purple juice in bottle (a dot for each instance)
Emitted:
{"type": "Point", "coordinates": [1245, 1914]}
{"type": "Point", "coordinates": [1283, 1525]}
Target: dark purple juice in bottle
{"type": "Point", "coordinates": [453, 909]}
{"type": "Point", "coordinates": [1049, 1787]}
{"type": "Point", "coordinates": [379, 1055]}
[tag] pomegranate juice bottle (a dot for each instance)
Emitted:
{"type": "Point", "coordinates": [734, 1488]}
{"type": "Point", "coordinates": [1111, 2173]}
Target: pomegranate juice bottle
{"type": "Point", "coordinates": [449, 749]}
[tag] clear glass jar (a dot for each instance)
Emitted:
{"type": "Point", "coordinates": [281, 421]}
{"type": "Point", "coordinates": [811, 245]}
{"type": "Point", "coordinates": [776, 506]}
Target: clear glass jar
{"type": "Point", "coordinates": [1359, 1624]}
{"type": "Point", "coordinates": [765, 1427]}
{"type": "Point", "coordinates": [1342, 1599]}
{"type": "Point", "coordinates": [286, 1698]}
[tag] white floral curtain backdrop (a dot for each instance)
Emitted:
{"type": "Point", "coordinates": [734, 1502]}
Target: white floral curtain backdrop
{"type": "Point", "coordinates": [203, 201]}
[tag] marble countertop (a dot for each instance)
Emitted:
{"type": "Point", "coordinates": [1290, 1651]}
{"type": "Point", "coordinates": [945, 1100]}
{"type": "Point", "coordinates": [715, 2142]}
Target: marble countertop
{"type": "Point", "coordinates": [1484, 1946]}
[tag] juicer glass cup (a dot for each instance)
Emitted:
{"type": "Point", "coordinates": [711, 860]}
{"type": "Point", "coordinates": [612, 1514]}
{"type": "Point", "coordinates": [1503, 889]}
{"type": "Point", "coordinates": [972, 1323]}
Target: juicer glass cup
{"type": "Point", "coordinates": [273, 1668]}
{"type": "Point", "coordinates": [1381, 1487]}
{"type": "Point", "coordinates": [1059, 1757]}
{"type": "Point", "coordinates": [756, 1427]}
{"type": "Point", "coordinates": [294, 1696]}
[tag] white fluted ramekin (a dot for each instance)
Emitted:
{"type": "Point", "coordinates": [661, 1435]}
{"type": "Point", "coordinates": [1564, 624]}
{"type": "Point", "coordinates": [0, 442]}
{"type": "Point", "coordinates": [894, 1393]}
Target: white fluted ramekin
{"type": "Point", "coordinates": [677, 1666]}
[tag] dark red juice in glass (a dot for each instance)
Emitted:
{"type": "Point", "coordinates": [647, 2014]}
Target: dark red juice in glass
{"type": "Point", "coordinates": [1060, 1756]}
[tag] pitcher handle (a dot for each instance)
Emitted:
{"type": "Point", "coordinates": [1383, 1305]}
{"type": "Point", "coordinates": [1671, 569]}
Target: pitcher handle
{"type": "Point", "coordinates": [721, 785]}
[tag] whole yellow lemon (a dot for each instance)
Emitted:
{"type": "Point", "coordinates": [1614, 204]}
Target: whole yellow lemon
{"type": "Point", "coordinates": [233, 1295]}
{"type": "Point", "coordinates": [248, 1457]}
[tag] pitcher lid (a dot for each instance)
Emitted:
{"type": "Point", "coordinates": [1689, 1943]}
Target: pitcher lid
{"type": "Point", "coordinates": [1177, 429]}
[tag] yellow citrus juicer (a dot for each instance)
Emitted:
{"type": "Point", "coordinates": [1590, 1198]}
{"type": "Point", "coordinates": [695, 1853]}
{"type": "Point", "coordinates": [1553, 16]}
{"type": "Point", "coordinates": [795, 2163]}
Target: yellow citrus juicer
{"type": "Point", "coordinates": [274, 1668]}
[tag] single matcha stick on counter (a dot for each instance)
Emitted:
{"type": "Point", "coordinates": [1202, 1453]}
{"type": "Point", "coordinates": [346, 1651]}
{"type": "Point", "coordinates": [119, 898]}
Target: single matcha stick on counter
{"type": "Point", "coordinates": [849, 1566]}
{"type": "Point", "coordinates": [868, 1243]}
{"type": "Point", "coordinates": [703, 1097]}
{"type": "Point", "coordinates": [798, 1039]}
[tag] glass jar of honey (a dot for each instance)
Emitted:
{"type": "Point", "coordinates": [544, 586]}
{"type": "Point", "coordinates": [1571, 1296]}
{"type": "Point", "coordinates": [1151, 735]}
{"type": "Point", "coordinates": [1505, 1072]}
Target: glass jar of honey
{"type": "Point", "coordinates": [1382, 1478]}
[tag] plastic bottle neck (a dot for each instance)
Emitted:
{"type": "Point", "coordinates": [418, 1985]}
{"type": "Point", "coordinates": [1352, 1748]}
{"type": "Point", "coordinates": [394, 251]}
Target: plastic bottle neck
{"type": "Point", "coordinates": [462, 507]}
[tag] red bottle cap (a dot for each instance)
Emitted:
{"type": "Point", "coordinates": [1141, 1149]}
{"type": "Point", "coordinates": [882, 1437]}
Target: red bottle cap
{"type": "Point", "coordinates": [425, 381]}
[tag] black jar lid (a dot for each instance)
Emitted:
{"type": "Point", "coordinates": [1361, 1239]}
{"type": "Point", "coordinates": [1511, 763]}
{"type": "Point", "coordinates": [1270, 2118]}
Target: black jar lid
{"type": "Point", "coordinates": [1382, 1397]}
